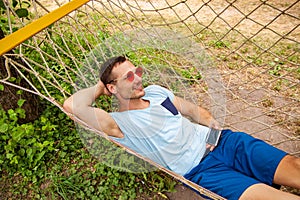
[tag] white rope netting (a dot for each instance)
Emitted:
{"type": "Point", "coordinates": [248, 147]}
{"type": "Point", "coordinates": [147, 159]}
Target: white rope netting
{"type": "Point", "coordinates": [239, 61]}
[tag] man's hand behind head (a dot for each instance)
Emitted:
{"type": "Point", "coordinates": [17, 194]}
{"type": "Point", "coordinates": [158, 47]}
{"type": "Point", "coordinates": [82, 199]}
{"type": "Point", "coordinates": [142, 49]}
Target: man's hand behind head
{"type": "Point", "coordinates": [102, 90]}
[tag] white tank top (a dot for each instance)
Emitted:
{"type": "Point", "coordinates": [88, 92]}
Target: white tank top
{"type": "Point", "coordinates": [161, 133]}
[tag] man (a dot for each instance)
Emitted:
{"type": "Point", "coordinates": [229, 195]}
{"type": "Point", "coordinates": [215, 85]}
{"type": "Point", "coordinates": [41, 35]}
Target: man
{"type": "Point", "coordinates": [150, 121]}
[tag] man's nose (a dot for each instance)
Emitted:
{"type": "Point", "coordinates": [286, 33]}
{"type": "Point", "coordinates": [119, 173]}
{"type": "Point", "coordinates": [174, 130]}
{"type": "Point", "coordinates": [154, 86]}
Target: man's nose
{"type": "Point", "coordinates": [137, 78]}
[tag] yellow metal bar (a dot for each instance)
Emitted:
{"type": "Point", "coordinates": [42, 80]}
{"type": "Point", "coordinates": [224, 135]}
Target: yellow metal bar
{"type": "Point", "coordinates": [31, 29]}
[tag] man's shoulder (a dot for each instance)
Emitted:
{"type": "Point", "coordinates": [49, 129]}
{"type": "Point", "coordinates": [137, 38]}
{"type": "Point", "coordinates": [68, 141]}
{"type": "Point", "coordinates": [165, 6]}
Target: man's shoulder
{"type": "Point", "coordinates": [155, 87]}
{"type": "Point", "coordinates": [157, 91]}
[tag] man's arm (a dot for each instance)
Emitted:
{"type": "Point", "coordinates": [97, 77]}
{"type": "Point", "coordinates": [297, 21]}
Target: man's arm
{"type": "Point", "coordinates": [80, 104]}
{"type": "Point", "coordinates": [197, 113]}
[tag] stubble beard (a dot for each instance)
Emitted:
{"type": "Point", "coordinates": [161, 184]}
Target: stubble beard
{"type": "Point", "coordinates": [138, 95]}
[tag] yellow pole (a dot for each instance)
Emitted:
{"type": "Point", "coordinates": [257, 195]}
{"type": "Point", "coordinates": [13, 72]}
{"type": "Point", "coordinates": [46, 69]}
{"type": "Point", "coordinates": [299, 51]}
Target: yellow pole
{"type": "Point", "coordinates": [38, 25]}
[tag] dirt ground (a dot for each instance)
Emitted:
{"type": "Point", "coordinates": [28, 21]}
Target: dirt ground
{"type": "Point", "coordinates": [183, 193]}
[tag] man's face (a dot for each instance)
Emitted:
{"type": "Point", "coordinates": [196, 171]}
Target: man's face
{"type": "Point", "coordinates": [128, 81]}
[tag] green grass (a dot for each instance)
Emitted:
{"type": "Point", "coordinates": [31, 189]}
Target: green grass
{"type": "Point", "coordinates": [66, 170]}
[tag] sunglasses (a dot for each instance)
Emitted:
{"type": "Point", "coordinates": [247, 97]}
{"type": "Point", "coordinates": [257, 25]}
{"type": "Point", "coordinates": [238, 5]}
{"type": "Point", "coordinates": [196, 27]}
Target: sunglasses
{"type": "Point", "coordinates": [130, 75]}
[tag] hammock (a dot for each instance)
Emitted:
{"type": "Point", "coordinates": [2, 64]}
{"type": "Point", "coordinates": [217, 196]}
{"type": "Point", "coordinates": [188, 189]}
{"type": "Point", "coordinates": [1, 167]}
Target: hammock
{"type": "Point", "coordinates": [172, 54]}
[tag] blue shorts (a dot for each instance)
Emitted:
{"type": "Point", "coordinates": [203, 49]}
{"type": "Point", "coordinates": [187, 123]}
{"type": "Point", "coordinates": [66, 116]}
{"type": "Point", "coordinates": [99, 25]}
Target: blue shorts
{"type": "Point", "coordinates": [238, 162]}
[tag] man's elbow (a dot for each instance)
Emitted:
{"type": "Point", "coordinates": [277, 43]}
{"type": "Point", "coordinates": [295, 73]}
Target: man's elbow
{"type": "Point", "coordinates": [67, 105]}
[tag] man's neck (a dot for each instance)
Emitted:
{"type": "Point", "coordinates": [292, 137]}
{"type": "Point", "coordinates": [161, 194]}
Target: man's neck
{"type": "Point", "coordinates": [133, 104]}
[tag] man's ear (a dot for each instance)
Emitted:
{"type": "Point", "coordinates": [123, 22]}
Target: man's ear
{"type": "Point", "coordinates": [111, 88]}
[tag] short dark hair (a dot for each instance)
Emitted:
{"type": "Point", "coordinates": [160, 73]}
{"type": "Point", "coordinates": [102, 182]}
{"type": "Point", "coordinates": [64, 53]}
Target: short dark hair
{"type": "Point", "coordinates": [107, 67]}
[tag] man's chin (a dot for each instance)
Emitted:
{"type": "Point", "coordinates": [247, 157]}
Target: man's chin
{"type": "Point", "coordinates": [141, 92]}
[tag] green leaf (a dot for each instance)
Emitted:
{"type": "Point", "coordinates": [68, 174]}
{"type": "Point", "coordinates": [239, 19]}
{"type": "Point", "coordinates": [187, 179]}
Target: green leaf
{"type": "Point", "coordinates": [22, 12]}
{"type": "Point", "coordinates": [10, 111]}
{"type": "Point", "coordinates": [3, 128]}
{"type": "Point", "coordinates": [21, 102]}
{"type": "Point", "coordinates": [39, 157]}
{"type": "Point", "coordinates": [9, 156]}
{"type": "Point", "coordinates": [22, 151]}
{"type": "Point", "coordinates": [30, 141]}
{"type": "Point", "coordinates": [12, 79]}
{"type": "Point", "coordinates": [1, 86]}
{"type": "Point", "coordinates": [30, 154]}
{"type": "Point", "coordinates": [17, 135]}
{"type": "Point", "coordinates": [21, 112]}
{"type": "Point", "coordinates": [15, 160]}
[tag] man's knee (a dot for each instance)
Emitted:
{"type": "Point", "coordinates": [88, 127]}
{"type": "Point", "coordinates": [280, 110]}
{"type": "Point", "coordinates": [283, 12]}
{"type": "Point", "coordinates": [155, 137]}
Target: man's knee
{"type": "Point", "coordinates": [288, 172]}
{"type": "Point", "coordinates": [265, 192]}
{"type": "Point", "coordinates": [295, 161]}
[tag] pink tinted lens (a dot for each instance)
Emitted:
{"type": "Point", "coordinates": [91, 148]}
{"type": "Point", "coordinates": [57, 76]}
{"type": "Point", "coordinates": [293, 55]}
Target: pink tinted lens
{"type": "Point", "coordinates": [130, 76]}
{"type": "Point", "coordinates": [139, 71]}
